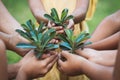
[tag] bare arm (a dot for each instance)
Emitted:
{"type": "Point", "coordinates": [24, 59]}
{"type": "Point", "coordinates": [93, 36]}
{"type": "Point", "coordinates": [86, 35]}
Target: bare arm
{"type": "Point", "coordinates": [7, 23]}
{"type": "Point", "coordinates": [75, 65]}
{"type": "Point", "coordinates": [96, 71]}
{"type": "Point", "coordinates": [3, 62]}
{"type": "Point", "coordinates": [38, 10]}
{"type": "Point", "coordinates": [13, 70]}
{"type": "Point", "coordinates": [107, 27]}
{"type": "Point", "coordinates": [117, 65]}
{"type": "Point", "coordinates": [107, 43]}
{"type": "Point", "coordinates": [80, 11]}
{"type": "Point", "coordinates": [103, 57]}
{"type": "Point", "coordinates": [11, 41]}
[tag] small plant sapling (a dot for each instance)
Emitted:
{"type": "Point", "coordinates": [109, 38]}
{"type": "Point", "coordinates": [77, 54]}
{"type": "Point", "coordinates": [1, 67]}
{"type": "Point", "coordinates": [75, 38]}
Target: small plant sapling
{"type": "Point", "coordinates": [53, 17]}
{"type": "Point", "coordinates": [70, 42]}
{"type": "Point", "coordinates": [39, 38]}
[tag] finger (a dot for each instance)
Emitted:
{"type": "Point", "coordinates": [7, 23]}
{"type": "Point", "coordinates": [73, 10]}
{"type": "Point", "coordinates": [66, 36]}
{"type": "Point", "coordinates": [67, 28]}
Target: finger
{"type": "Point", "coordinates": [49, 24]}
{"type": "Point", "coordinates": [58, 28]}
{"type": "Point", "coordinates": [60, 69]}
{"type": "Point", "coordinates": [57, 41]}
{"type": "Point", "coordinates": [60, 65]}
{"type": "Point", "coordinates": [53, 24]}
{"type": "Point", "coordinates": [70, 27]}
{"type": "Point", "coordinates": [70, 24]}
{"type": "Point", "coordinates": [60, 32]}
{"type": "Point", "coordinates": [50, 59]}
{"type": "Point", "coordinates": [52, 63]}
{"type": "Point", "coordinates": [52, 41]}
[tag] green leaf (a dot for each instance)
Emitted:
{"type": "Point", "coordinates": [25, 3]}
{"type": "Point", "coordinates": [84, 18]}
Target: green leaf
{"type": "Point", "coordinates": [69, 17]}
{"type": "Point", "coordinates": [33, 35]}
{"type": "Point", "coordinates": [25, 45]}
{"type": "Point", "coordinates": [39, 36]}
{"type": "Point", "coordinates": [49, 31]}
{"type": "Point", "coordinates": [58, 23]}
{"type": "Point", "coordinates": [80, 37]}
{"type": "Point", "coordinates": [30, 25]}
{"type": "Point", "coordinates": [66, 45]}
{"type": "Point", "coordinates": [87, 36]}
{"type": "Point", "coordinates": [87, 43]}
{"type": "Point", "coordinates": [80, 45]}
{"type": "Point", "coordinates": [40, 28]}
{"type": "Point", "coordinates": [64, 25]}
{"type": "Point", "coordinates": [22, 33]}
{"type": "Point", "coordinates": [51, 46]}
{"type": "Point", "coordinates": [62, 37]}
{"type": "Point", "coordinates": [49, 17]}
{"type": "Point", "coordinates": [69, 33]}
{"type": "Point", "coordinates": [25, 27]}
{"type": "Point", "coordinates": [64, 15]}
{"type": "Point", "coordinates": [47, 36]}
{"type": "Point", "coordinates": [38, 55]}
{"type": "Point", "coordinates": [54, 14]}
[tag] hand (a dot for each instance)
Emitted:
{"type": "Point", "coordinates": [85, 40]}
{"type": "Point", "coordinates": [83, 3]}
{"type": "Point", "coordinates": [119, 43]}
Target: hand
{"type": "Point", "coordinates": [33, 67]}
{"type": "Point", "coordinates": [72, 65]}
{"type": "Point", "coordinates": [11, 40]}
{"type": "Point", "coordinates": [106, 58]}
{"type": "Point", "coordinates": [59, 30]}
{"type": "Point", "coordinates": [15, 39]}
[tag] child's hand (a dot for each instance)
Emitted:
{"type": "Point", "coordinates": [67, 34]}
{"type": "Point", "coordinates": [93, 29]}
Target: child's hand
{"type": "Point", "coordinates": [59, 29]}
{"type": "Point", "coordinates": [72, 65]}
{"type": "Point", "coordinates": [31, 67]}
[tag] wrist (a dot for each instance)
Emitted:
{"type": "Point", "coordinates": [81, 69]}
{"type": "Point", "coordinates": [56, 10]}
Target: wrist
{"type": "Point", "coordinates": [13, 70]}
{"type": "Point", "coordinates": [15, 39]}
{"type": "Point", "coordinates": [83, 64]}
{"type": "Point", "coordinates": [22, 75]}
{"type": "Point", "coordinates": [40, 16]}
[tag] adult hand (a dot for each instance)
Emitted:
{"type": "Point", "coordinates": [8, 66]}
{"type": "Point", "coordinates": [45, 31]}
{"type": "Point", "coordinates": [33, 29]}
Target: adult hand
{"type": "Point", "coordinates": [106, 58]}
{"type": "Point", "coordinates": [72, 65]}
{"type": "Point", "coordinates": [11, 40]}
{"type": "Point", "coordinates": [15, 39]}
{"type": "Point", "coordinates": [60, 29]}
{"type": "Point", "coordinates": [31, 67]}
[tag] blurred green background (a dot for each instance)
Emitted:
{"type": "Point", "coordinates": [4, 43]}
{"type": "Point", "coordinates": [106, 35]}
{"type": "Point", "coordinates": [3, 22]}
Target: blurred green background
{"type": "Point", "coordinates": [21, 12]}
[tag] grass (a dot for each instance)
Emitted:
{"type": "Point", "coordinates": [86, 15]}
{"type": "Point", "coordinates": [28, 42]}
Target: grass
{"type": "Point", "coordinates": [21, 12]}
